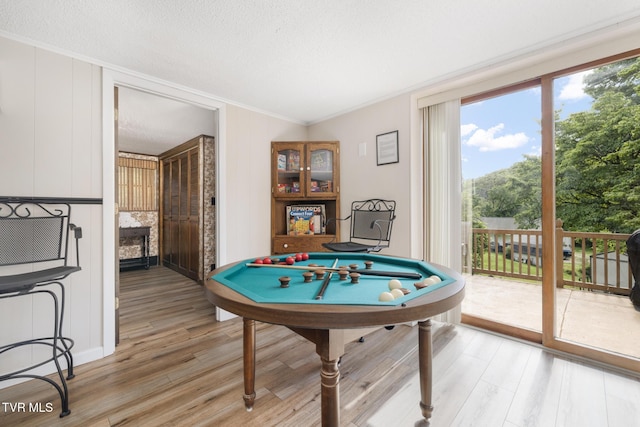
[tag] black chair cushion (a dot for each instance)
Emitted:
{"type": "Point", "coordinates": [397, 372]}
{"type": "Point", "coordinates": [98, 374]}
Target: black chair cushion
{"type": "Point", "coordinates": [347, 247]}
{"type": "Point", "coordinates": [24, 282]}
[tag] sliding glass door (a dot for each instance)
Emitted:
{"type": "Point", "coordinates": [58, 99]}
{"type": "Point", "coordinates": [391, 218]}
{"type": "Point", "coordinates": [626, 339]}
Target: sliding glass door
{"type": "Point", "coordinates": [501, 170]}
{"type": "Point", "coordinates": [551, 192]}
{"type": "Point", "coordinates": [597, 170]}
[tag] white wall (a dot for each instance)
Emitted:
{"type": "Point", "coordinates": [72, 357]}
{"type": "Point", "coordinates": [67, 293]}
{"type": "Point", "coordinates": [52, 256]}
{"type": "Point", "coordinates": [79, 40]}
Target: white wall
{"type": "Point", "coordinates": [360, 176]}
{"type": "Point", "coordinates": [50, 137]}
{"type": "Point", "coordinates": [248, 172]}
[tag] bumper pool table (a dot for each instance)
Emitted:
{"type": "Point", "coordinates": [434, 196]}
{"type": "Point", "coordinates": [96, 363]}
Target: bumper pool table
{"type": "Point", "coordinates": [341, 312]}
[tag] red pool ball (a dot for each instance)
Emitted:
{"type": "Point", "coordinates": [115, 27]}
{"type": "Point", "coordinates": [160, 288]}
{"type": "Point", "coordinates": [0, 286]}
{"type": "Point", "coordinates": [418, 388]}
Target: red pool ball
{"type": "Point", "coordinates": [258, 261]}
{"type": "Point", "coordinates": [305, 256]}
{"type": "Point", "coordinates": [290, 260]}
{"type": "Point", "coordinates": [298, 257]}
{"type": "Point", "coordinates": [266, 261]}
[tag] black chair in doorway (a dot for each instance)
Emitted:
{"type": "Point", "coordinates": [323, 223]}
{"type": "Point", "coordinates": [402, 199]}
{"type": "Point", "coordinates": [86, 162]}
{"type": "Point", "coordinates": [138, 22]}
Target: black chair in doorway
{"type": "Point", "coordinates": [371, 225]}
{"type": "Point", "coordinates": [38, 234]}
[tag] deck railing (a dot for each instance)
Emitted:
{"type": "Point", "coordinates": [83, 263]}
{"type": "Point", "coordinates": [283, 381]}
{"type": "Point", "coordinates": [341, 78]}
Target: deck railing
{"type": "Point", "coordinates": [594, 261]}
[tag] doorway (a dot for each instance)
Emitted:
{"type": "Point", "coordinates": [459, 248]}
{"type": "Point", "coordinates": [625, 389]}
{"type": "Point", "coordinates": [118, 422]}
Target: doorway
{"type": "Point", "coordinates": [502, 180]}
{"type": "Point", "coordinates": [148, 140]}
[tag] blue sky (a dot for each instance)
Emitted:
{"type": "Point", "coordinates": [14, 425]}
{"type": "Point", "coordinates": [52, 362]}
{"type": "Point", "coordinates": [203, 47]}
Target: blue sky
{"type": "Point", "coordinates": [497, 132]}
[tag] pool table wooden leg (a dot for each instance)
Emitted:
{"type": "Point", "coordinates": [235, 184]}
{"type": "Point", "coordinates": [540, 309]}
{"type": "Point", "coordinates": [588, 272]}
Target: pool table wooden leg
{"type": "Point", "coordinates": [329, 380]}
{"type": "Point", "coordinates": [425, 353]}
{"type": "Point", "coordinates": [330, 347]}
{"type": "Point", "coordinates": [249, 357]}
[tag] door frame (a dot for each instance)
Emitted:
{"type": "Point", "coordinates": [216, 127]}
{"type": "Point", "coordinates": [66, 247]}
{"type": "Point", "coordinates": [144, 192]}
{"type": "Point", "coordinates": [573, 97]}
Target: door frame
{"type": "Point", "coordinates": [110, 80]}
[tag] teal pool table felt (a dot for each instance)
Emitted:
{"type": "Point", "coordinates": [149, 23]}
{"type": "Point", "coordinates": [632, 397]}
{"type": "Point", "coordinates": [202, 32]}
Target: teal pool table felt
{"type": "Point", "coordinates": [261, 284]}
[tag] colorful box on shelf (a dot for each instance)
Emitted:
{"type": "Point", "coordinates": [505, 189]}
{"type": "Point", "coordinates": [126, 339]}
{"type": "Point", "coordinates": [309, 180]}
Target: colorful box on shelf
{"type": "Point", "coordinates": [307, 219]}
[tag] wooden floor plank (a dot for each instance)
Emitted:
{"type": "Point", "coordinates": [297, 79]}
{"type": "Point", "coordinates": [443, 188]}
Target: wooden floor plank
{"type": "Point", "coordinates": [537, 398]}
{"type": "Point", "coordinates": [582, 397]}
{"type": "Point", "coordinates": [623, 400]}
{"type": "Point", "coordinates": [487, 405]}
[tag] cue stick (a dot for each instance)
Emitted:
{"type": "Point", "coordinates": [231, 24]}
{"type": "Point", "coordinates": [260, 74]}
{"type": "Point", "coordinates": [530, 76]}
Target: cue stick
{"type": "Point", "coordinates": [326, 281]}
{"type": "Point", "coordinates": [398, 274]}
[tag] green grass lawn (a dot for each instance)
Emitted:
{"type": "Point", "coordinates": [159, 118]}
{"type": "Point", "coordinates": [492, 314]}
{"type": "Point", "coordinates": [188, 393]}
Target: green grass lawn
{"type": "Point", "coordinates": [503, 264]}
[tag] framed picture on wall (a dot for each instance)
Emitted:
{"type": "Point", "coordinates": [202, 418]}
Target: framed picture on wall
{"type": "Point", "coordinates": [387, 148]}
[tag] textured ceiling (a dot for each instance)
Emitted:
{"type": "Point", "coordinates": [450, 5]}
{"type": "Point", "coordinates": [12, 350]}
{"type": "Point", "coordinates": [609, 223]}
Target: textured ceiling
{"type": "Point", "coordinates": [305, 60]}
{"type": "Point", "coordinates": [151, 124]}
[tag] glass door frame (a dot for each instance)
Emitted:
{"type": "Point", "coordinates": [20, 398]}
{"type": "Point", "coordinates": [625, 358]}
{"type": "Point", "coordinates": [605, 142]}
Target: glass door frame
{"type": "Point", "coordinates": [548, 336]}
{"type": "Point", "coordinates": [551, 278]}
{"type": "Point", "coordinates": [535, 336]}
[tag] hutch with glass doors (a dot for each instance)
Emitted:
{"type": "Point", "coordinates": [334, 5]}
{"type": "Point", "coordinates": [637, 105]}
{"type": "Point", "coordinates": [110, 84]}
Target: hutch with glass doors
{"type": "Point", "coordinates": [305, 191]}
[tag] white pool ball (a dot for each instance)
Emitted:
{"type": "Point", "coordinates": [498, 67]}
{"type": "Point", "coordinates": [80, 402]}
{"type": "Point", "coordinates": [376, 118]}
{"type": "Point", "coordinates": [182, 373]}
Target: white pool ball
{"type": "Point", "coordinates": [428, 281]}
{"type": "Point", "coordinates": [397, 293]}
{"type": "Point", "coordinates": [395, 284]}
{"type": "Point", "coordinates": [386, 296]}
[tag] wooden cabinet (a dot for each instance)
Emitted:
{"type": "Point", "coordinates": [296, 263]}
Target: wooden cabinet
{"type": "Point", "coordinates": [187, 207]}
{"type": "Point", "coordinates": [180, 215]}
{"type": "Point", "coordinates": [304, 174]}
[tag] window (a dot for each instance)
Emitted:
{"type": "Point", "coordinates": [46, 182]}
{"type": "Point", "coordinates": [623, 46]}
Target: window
{"type": "Point", "coordinates": [138, 183]}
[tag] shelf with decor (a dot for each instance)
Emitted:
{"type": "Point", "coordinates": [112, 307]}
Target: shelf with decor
{"type": "Point", "coordinates": [305, 180]}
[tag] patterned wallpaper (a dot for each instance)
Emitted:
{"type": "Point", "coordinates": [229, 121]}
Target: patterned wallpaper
{"type": "Point", "coordinates": [130, 247]}
{"type": "Point", "coordinates": [209, 192]}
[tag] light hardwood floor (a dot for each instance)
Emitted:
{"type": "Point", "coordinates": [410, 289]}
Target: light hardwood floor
{"type": "Point", "coordinates": [176, 366]}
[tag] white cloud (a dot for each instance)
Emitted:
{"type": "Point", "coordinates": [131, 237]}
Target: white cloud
{"type": "Point", "coordinates": [467, 129]}
{"type": "Point", "coordinates": [536, 150]}
{"type": "Point", "coordinates": [488, 140]}
{"type": "Point", "coordinates": [574, 89]}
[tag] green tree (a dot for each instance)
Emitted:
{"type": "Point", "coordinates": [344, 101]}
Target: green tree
{"type": "Point", "coordinates": [512, 192]}
{"type": "Point", "coordinates": [597, 154]}
{"type": "Point", "coordinates": [527, 184]}
{"type": "Point", "coordinates": [620, 77]}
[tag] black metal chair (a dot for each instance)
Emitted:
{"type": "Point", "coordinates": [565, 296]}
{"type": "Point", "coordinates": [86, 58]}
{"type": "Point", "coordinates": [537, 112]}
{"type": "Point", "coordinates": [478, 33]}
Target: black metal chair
{"type": "Point", "coordinates": [371, 224]}
{"type": "Point", "coordinates": [633, 250]}
{"type": "Point", "coordinates": [38, 234]}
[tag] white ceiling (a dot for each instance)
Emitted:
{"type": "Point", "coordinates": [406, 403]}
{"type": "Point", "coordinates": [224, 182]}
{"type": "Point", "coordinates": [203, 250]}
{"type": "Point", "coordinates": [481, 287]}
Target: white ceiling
{"type": "Point", "coordinates": [151, 124]}
{"type": "Point", "coordinates": [305, 60]}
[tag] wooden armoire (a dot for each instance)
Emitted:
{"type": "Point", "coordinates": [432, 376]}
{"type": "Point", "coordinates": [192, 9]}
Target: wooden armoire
{"type": "Point", "coordinates": [187, 207]}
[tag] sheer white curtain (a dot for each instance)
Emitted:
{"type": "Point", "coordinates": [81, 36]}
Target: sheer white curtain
{"type": "Point", "coordinates": [443, 210]}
